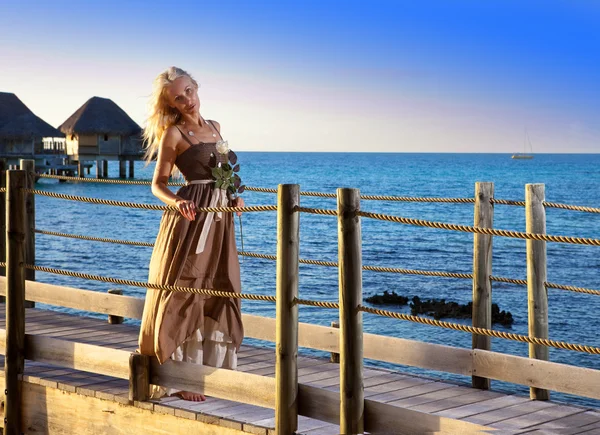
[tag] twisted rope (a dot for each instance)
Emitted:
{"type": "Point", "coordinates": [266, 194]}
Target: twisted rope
{"type": "Point", "coordinates": [417, 199]}
{"type": "Point", "coordinates": [509, 280]}
{"type": "Point", "coordinates": [419, 272]}
{"type": "Point", "coordinates": [129, 282]}
{"type": "Point", "coordinates": [100, 201]}
{"type": "Point", "coordinates": [335, 264]}
{"type": "Point", "coordinates": [257, 255]}
{"type": "Point", "coordinates": [483, 331]}
{"type": "Point", "coordinates": [507, 202]}
{"type": "Point", "coordinates": [321, 304]}
{"type": "Point", "coordinates": [572, 207]}
{"type": "Point", "coordinates": [2, 189]}
{"type": "Point", "coordinates": [261, 189]}
{"type": "Point", "coordinates": [549, 204]}
{"type": "Point", "coordinates": [573, 288]}
{"type": "Point", "coordinates": [333, 195]}
{"type": "Point", "coordinates": [94, 239]}
{"type": "Point", "coordinates": [480, 230]}
{"type": "Point", "coordinates": [317, 211]}
{"type": "Point", "coordinates": [95, 180]}
{"type": "Point", "coordinates": [255, 208]}
{"type": "Point", "coordinates": [319, 194]}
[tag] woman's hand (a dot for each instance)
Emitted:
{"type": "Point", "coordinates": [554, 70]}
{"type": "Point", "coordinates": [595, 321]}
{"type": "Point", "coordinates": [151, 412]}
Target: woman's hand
{"type": "Point", "coordinates": [238, 202]}
{"type": "Point", "coordinates": [186, 208]}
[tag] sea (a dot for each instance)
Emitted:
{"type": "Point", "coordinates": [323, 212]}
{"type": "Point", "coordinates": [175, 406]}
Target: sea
{"type": "Point", "coordinates": [568, 178]}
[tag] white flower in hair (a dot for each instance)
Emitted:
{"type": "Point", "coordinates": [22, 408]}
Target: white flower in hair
{"type": "Point", "coordinates": [222, 147]}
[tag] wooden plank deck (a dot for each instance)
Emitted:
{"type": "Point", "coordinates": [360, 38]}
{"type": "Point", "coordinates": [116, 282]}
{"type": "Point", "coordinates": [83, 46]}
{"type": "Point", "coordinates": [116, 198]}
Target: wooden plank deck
{"type": "Point", "coordinates": [509, 414]}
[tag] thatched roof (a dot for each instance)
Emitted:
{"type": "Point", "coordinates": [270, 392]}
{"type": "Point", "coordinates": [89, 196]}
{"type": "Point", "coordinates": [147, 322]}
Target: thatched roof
{"type": "Point", "coordinates": [100, 116]}
{"type": "Point", "coordinates": [17, 121]}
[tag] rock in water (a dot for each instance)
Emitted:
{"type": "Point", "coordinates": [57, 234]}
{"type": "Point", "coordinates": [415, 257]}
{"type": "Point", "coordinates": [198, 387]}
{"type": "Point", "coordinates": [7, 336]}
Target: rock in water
{"type": "Point", "coordinates": [440, 309]}
{"type": "Point", "coordinates": [387, 298]}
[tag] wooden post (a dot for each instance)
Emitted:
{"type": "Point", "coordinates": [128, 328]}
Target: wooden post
{"type": "Point", "coordinates": [139, 377]}
{"type": "Point", "coordinates": [286, 369]}
{"type": "Point", "coordinates": [115, 320]}
{"type": "Point", "coordinates": [131, 167]}
{"type": "Point", "coordinates": [15, 300]}
{"type": "Point", "coordinates": [104, 168]}
{"type": "Point", "coordinates": [29, 167]}
{"type": "Point", "coordinates": [482, 272]}
{"type": "Point", "coordinates": [335, 357]}
{"type": "Point", "coordinates": [122, 169]}
{"type": "Point", "coordinates": [98, 168]}
{"type": "Point", "coordinates": [351, 332]}
{"type": "Point", "coordinates": [537, 294]}
{"type": "Point", "coordinates": [80, 168]}
{"type": "Point", "coordinates": [3, 196]}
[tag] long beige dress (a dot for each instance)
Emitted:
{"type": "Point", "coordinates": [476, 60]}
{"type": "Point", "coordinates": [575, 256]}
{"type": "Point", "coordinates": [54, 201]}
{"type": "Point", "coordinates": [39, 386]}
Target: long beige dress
{"type": "Point", "coordinates": [184, 326]}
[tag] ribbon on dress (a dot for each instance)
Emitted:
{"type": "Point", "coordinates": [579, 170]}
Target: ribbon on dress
{"type": "Point", "coordinates": [217, 199]}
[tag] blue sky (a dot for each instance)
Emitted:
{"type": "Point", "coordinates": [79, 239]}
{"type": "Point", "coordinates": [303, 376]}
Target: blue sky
{"type": "Point", "coordinates": [401, 76]}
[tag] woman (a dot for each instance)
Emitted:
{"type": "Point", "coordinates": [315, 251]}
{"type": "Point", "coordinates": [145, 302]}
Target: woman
{"type": "Point", "coordinates": [185, 326]}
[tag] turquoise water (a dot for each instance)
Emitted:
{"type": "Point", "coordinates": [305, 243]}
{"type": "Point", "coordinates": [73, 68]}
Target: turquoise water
{"type": "Point", "coordinates": [573, 179]}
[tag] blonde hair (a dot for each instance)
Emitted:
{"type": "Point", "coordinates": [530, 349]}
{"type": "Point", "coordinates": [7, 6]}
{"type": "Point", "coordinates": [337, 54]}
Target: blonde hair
{"type": "Point", "coordinates": [161, 116]}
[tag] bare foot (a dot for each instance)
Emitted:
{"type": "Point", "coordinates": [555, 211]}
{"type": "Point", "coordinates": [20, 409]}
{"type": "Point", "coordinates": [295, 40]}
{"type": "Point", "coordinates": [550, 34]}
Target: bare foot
{"type": "Point", "coordinates": [187, 395]}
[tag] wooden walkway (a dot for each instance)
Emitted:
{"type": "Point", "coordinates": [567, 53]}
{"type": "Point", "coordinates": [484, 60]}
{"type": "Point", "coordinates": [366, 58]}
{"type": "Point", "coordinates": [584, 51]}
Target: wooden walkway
{"type": "Point", "coordinates": [508, 414]}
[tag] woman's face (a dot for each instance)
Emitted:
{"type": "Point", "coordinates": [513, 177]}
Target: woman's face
{"type": "Point", "coordinates": [183, 96]}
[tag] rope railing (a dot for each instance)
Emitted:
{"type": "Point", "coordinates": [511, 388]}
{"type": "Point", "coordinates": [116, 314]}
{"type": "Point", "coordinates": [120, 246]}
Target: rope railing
{"type": "Point", "coordinates": [206, 292]}
{"type": "Point", "coordinates": [480, 230]}
{"type": "Point", "coordinates": [94, 239]}
{"type": "Point", "coordinates": [508, 280]}
{"type": "Point", "coordinates": [321, 304]}
{"type": "Point", "coordinates": [383, 269]}
{"type": "Point", "coordinates": [417, 199]}
{"type": "Point", "coordinates": [324, 304]}
{"type": "Point", "coordinates": [317, 211]}
{"type": "Point", "coordinates": [483, 331]}
{"type": "Point", "coordinates": [255, 208]}
{"type": "Point", "coordinates": [132, 283]}
{"type": "Point", "coordinates": [573, 288]}
{"type": "Point", "coordinates": [99, 180]}
{"type": "Point", "coordinates": [572, 207]}
{"type": "Point", "coordinates": [507, 202]}
{"type": "Point", "coordinates": [333, 195]}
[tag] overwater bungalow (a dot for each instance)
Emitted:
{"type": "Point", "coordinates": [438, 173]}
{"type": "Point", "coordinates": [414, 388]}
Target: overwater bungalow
{"type": "Point", "coordinates": [100, 130]}
{"type": "Point", "coordinates": [23, 135]}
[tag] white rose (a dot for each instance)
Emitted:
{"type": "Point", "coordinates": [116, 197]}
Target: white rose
{"type": "Point", "coordinates": [222, 147]}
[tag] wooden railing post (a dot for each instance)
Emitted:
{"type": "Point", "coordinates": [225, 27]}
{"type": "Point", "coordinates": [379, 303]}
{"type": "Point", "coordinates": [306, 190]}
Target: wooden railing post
{"type": "Point", "coordinates": [15, 300]}
{"type": "Point", "coordinates": [28, 166]}
{"type": "Point", "coordinates": [139, 377]}
{"type": "Point", "coordinates": [286, 369]}
{"type": "Point", "coordinates": [351, 332]}
{"type": "Point", "coordinates": [115, 320]}
{"type": "Point", "coordinates": [537, 294]}
{"type": "Point", "coordinates": [482, 272]}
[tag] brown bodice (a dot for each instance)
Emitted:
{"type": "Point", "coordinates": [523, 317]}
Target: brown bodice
{"type": "Point", "coordinates": [193, 163]}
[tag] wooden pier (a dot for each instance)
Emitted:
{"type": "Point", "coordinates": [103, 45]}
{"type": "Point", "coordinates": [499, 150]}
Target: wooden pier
{"type": "Point", "coordinates": [58, 394]}
{"type": "Point", "coordinates": [72, 374]}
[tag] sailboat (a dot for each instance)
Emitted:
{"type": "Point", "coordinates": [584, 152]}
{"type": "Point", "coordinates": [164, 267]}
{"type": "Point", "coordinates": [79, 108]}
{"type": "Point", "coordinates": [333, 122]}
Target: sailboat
{"type": "Point", "coordinates": [524, 155]}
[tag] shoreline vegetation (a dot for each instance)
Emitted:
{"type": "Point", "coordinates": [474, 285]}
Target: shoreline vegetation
{"type": "Point", "coordinates": [439, 308]}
